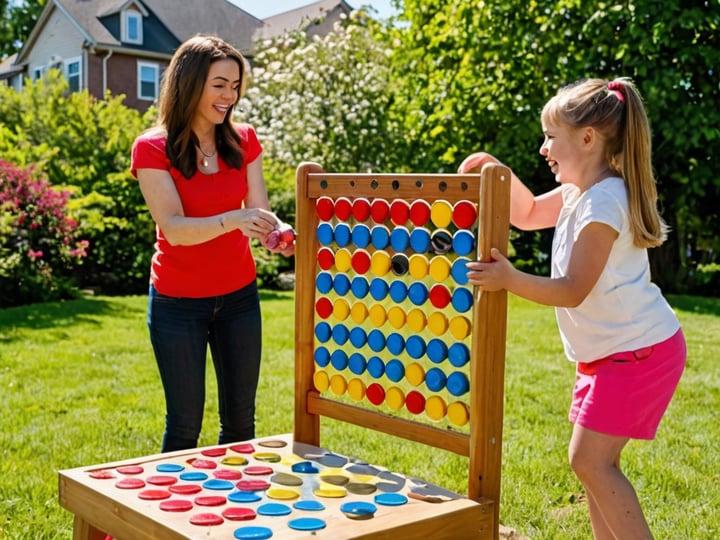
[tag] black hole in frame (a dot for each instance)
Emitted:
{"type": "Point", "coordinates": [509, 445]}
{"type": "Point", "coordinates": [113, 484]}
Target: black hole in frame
{"type": "Point", "coordinates": [395, 185]}
{"type": "Point", "coordinates": [352, 183]}
{"type": "Point", "coordinates": [418, 183]}
{"type": "Point", "coordinates": [323, 184]}
{"type": "Point", "coordinates": [374, 184]}
{"type": "Point", "coordinates": [463, 186]}
{"type": "Point", "coordinates": [442, 186]}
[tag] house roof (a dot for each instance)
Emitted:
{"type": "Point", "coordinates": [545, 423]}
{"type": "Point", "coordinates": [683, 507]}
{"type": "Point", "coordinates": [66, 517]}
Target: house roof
{"type": "Point", "coordinates": [299, 17]}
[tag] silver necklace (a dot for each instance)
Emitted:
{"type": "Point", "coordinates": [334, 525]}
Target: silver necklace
{"type": "Point", "coordinates": [204, 161]}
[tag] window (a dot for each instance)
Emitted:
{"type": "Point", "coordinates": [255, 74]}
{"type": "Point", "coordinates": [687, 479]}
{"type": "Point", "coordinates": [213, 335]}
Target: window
{"type": "Point", "coordinates": [148, 80]}
{"type": "Point", "coordinates": [132, 27]}
{"type": "Point", "coordinates": [38, 72]}
{"type": "Point", "coordinates": [73, 74]}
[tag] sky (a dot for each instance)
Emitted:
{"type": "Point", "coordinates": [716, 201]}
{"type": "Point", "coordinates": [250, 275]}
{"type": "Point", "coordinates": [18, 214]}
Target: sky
{"type": "Point", "coordinates": [266, 8]}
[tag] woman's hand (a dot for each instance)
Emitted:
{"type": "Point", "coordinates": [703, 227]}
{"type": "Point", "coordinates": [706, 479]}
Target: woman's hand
{"type": "Point", "coordinates": [253, 222]}
{"type": "Point", "coordinates": [281, 240]}
{"type": "Point", "coordinates": [491, 276]}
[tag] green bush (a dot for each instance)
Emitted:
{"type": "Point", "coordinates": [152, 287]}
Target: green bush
{"type": "Point", "coordinates": [39, 244]}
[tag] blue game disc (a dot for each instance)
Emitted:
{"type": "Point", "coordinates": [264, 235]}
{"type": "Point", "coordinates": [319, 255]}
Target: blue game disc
{"type": "Point", "coordinates": [457, 383]}
{"type": "Point", "coordinates": [323, 331]}
{"type": "Point", "coordinates": [391, 499]}
{"type": "Point", "coordinates": [304, 467]}
{"type": "Point", "coordinates": [274, 509]}
{"type": "Point", "coordinates": [358, 508]}
{"type": "Point", "coordinates": [218, 484]}
{"type": "Point", "coordinates": [462, 299]}
{"type": "Point", "coordinates": [324, 282]}
{"type": "Point", "coordinates": [360, 286]}
{"type": "Point", "coordinates": [380, 236]}
{"type": "Point", "coordinates": [306, 524]}
{"type": "Point", "coordinates": [376, 340]}
{"type": "Point", "coordinates": [418, 293]}
{"type": "Point", "coordinates": [395, 370]}
{"type": "Point", "coordinates": [378, 288]}
{"type": "Point", "coordinates": [395, 343]}
{"type": "Point", "coordinates": [356, 363]}
{"type": "Point", "coordinates": [322, 356]}
{"type": "Point", "coordinates": [399, 239]}
{"type": "Point", "coordinates": [193, 476]}
{"type": "Point", "coordinates": [342, 234]}
{"type": "Point", "coordinates": [339, 359]}
{"type": "Point", "coordinates": [358, 337]}
{"type": "Point", "coordinates": [415, 346]}
{"type": "Point", "coordinates": [459, 271]}
{"type": "Point", "coordinates": [325, 234]}
{"type": "Point", "coordinates": [253, 533]}
{"type": "Point", "coordinates": [435, 379]}
{"type": "Point", "coordinates": [340, 334]}
{"type": "Point", "coordinates": [458, 354]}
{"type": "Point", "coordinates": [437, 350]}
{"type": "Point", "coordinates": [341, 284]}
{"type": "Point", "coordinates": [420, 240]}
{"type": "Point", "coordinates": [361, 235]}
{"type": "Point", "coordinates": [398, 291]}
{"type": "Point", "coordinates": [312, 506]}
{"type": "Point", "coordinates": [376, 367]}
{"type": "Point", "coordinates": [170, 467]}
{"type": "Point", "coordinates": [463, 242]}
{"type": "Point", "coordinates": [244, 497]}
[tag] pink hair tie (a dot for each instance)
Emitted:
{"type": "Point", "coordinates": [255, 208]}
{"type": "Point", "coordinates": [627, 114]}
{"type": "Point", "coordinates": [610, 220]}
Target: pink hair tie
{"type": "Point", "coordinates": [616, 88]}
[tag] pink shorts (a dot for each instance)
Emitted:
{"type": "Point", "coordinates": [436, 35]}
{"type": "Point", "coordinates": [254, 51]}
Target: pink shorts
{"type": "Point", "coordinates": [626, 394]}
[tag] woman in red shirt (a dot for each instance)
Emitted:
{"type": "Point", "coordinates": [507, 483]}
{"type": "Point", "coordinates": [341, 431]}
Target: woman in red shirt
{"type": "Point", "coordinates": [202, 179]}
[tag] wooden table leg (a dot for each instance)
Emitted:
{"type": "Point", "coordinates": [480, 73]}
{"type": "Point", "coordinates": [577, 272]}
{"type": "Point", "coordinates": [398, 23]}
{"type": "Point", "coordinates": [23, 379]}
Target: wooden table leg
{"type": "Point", "coordinates": [82, 530]}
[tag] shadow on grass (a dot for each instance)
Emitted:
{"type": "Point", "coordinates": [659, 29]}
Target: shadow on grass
{"type": "Point", "coordinates": [695, 304]}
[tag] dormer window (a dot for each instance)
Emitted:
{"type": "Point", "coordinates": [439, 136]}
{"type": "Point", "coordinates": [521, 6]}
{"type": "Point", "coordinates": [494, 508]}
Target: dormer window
{"type": "Point", "coordinates": [132, 27]}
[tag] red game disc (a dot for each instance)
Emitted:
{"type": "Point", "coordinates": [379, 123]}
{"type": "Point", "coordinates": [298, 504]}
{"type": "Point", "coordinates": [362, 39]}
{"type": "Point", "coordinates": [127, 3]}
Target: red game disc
{"type": "Point", "coordinates": [360, 261]}
{"type": "Point", "coordinates": [361, 209]}
{"type": "Point", "coordinates": [206, 519]}
{"type": "Point", "coordinates": [325, 208]}
{"type": "Point", "coordinates": [214, 452]}
{"type": "Point", "coordinates": [202, 463]}
{"type": "Point", "coordinates": [130, 469]}
{"type": "Point", "coordinates": [399, 211]}
{"type": "Point", "coordinates": [227, 474]}
{"type": "Point", "coordinates": [243, 448]}
{"type": "Point", "coordinates": [130, 483]}
{"type": "Point", "coordinates": [375, 393]}
{"type": "Point", "coordinates": [210, 500]}
{"type": "Point", "coordinates": [343, 208]}
{"type": "Point", "coordinates": [238, 513]}
{"type": "Point", "coordinates": [176, 505]}
{"type": "Point", "coordinates": [415, 402]}
{"type": "Point", "coordinates": [185, 489]}
{"type": "Point", "coordinates": [101, 475]}
{"type": "Point", "coordinates": [326, 258]}
{"type": "Point", "coordinates": [379, 210]}
{"type": "Point", "coordinates": [419, 212]}
{"type": "Point", "coordinates": [464, 214]}
{"type": "Point", "coordinates": [324, 307]}
{"type": "Point", "coordinates": [439, 296]}
{"type": "Point", "coordinates": [258, 470]}
{"type": "Point", "coordinates": [252, 485]}
{"type": "Point", "coordinates": [154, 494]}
{"type": "Point", "coordinates": [161, 480]}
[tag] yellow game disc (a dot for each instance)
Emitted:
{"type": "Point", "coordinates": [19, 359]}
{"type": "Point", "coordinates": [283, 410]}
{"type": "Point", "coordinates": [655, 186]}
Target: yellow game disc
{"type": "Point", "coordinates": [343, 260]}
{"type": "Point", "coordinates": [418, 266]}
{"type": "Point", "coordinates": [440, 268]}
{"type": "Point", "coordinates": [458, 413]}
{"type": "Point", "coordinates": [416, 320]}
{"type": "Point", "coordinates": [358, 312]}
{"type": "Point", "coordinates": [321, 381]}
{"type": "Point", "coordinates": [415, 374]}
{"type": "Point", "coordinates": [441, 213]}
{"type": "Point", "coordinates": [377, 315]}
{"type": "Point", "coordinates": [460, 327]}
{"type": "Point", "coordinates": [438, 323]}
{"type": "Point", "coordinates": [396, 317]}
{"type": "Point", "coordinates": [338, 385]}
{"type": "Point", "coordinates": [282, 494]}
{"type": "Point", "coordinates": [395, 398]}
{"type": "Point", "coordinates": [341, 309]}
{"type": "Point", "coordinates": [435, 408]}
{"type": "Point", "coordinates": [331, 492]}
{"type": "Point", "coordinates": [356, 389]}
{"type": "Point", "coordinates": [380, 263]}
{"type": "Point", "coordinates": [268, 457]}
{"type": "Point", "coordinates": [234, 461]}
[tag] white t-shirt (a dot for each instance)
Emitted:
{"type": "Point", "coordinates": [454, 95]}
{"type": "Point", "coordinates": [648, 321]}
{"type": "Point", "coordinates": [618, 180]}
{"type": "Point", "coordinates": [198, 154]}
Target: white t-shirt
{"type": "Point", "coordinates": [624, 311]}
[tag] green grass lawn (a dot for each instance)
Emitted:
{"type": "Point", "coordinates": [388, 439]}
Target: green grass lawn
{"type": "Point", "coordinates": [78, 386]}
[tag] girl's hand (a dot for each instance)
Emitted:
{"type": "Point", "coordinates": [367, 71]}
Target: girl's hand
{"type": "Point", "coordinates": [476, 161]}
{"type": "Point", "coordinates": [491, 276]}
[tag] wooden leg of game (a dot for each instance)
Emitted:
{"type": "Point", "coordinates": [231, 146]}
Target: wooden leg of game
{"type": "Point", "coordinates": [82, 530]}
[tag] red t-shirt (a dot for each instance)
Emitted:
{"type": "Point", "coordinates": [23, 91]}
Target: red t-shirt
{"type": "Point", "coordinates": [218, 266]}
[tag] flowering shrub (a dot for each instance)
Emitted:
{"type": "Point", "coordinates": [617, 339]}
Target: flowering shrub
{"type": "Point", "coordinates": [38, 245]}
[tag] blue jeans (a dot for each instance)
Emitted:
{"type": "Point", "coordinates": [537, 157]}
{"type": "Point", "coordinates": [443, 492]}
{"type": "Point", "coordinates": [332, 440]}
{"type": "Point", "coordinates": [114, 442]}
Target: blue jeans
{"type": "Point", "coordinates": [180, 331]}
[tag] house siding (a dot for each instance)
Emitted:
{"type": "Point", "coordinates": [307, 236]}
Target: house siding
{"type": "Point", "coordinates": [60, 39]}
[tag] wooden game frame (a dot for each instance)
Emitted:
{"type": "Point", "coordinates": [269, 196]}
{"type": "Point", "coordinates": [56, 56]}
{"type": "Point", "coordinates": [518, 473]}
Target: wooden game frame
{"type": "Point", "coordinates": [483, 445]}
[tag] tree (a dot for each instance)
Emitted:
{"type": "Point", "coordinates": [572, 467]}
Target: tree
{"type": "Point", "coordinates": [18, 20]}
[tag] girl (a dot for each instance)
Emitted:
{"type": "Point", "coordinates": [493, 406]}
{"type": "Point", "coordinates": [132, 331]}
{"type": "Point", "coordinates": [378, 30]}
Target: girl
{"type": "Point", "coordinates": [614, 323]}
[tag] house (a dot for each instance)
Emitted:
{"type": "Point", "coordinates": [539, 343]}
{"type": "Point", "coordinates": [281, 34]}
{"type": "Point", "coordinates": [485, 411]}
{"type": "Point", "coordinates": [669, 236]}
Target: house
{"type": "Point", "coordinates": [123, 46]}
